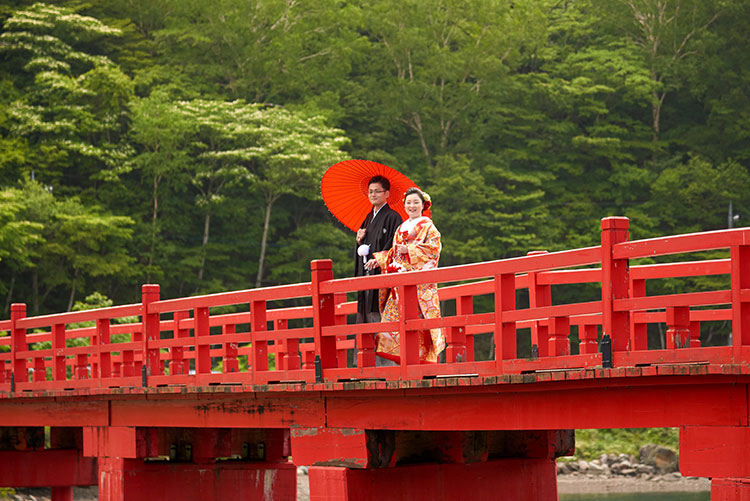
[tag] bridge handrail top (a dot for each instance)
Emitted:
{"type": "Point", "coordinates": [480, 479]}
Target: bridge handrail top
{"type": "Point", "coordinates": [127, 310]}
{"type": "Point", "coordinates": [291, 291]}
{"type": "Point", "coordinates": [472, 271]}
{"type": "Point", "coordinates": [679, 244]}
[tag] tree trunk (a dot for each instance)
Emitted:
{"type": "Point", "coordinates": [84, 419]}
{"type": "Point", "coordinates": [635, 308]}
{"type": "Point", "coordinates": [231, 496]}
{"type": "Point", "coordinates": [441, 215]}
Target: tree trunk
{"type": "Point", "coordinates": [206, 229]}
{"type": "Point", "coordinates": [35, 292]}
{"type": "Point", "coordinates": [72, 292]}
{"type": "Point", "coordinates": [153, 229]}
{"type": "Point", "coordinates": [10, 295]}
{"type": "Point", "coordinates": [263, 241]}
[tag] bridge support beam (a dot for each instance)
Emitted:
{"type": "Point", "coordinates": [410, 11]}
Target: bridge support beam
{"type": "Point", "coordinates": [25, 462]}
{"type": "Point", "coordinates": [348, 464]}
{"type": "Point", "coordinates": [721, 453]}
{"type": "Point", "coordinates": [206, 464]}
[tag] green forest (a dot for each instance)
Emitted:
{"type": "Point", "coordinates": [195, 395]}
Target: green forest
{"type": "Point", "coordinates": [182, 142]}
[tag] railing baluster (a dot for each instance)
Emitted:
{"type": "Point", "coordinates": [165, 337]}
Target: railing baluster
{"type": "Point", "coordinates": [505, 332]}
{"type": "Point", "coordinates": [202, 343]}
{"type": "Point", "coordinates": [229, 362]}
{"type": "Point", "coordinates": [678, 327]}
{"type": "Point", "coordinates": [341, 354]}
{"type": "Point", "coordinates": [695, 334]}
{"type": "Point", "coordinates": [465, 306]}
{"type": "Point", "coordinates": [105, 357]}
{"type": "Point", "coordinates": [587, 336]}
{"type": "Point", "coordinates": [408, 306]}
{"type": "Point", "coordinates": [258, 348]}
{"type": "Point", "coordinates": [638, 331]}
{"type": "Point", "coordinates": [178, 366]}
{"type": "Point", "coordinates": [539, 295]}
{"type": "Point", "coordinates": [290, 359]}
{"type": "Point", "coordinates": [59, 372]}
{"type": "Point", "coordinates": [559, 330]}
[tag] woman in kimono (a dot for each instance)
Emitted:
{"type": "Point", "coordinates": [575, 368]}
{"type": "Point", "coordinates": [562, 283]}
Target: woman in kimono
{"type": "Point", "coordinates": [416, 246]}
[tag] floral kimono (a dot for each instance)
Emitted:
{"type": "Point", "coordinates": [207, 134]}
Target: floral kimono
{"type": "Point", "coordinates": [423, 241]}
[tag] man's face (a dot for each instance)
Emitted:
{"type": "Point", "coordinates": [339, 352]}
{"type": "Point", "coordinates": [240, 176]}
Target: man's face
{"type": "Point", "coordinates": [377, 195]}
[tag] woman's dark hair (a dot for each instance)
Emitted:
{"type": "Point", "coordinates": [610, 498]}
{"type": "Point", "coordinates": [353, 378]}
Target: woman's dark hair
{"type": "Point", "coordinates": [382, 181]}
{"type": "Point", "coordinates": [414, 191]}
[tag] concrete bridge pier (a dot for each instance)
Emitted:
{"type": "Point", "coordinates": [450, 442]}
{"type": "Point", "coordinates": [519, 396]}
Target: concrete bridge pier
{"type": "Point", "coordinates": [206, 464]}
{"type": "Point", "coordinates": [26, 460]}
{"type": "Point", "coordinates": [349, 464]}
{"type": "Point", "coordinates": [721, 453]}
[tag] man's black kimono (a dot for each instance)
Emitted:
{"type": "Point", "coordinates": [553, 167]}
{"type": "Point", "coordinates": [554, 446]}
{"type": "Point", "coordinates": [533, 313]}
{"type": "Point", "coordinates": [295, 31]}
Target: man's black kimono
{"type": "Point", "coordinates": [379, 236]}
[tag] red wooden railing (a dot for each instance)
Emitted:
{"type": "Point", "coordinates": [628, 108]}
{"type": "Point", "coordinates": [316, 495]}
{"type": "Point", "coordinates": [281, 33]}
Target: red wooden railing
{"type": "Point", "coordinates": [181, 341]}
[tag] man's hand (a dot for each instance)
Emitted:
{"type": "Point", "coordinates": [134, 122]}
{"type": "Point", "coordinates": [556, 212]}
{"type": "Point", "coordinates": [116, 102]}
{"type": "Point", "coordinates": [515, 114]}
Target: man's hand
{"type": "Point", "coordinates": [361, 235]}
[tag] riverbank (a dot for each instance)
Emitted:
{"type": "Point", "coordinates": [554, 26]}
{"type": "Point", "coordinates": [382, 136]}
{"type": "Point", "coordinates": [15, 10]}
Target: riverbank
{"type": "Point", "coordinates": [566, 484]}
{"type": "Point", "coordinates": [672, 482]}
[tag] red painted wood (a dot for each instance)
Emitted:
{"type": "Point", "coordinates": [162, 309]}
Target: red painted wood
{"type": "Point", "coordinates": [730, 489]}
{"type": "Point", "coordinates": [330, 447]}
{"type": "Point", "coordinates": [150, 294]}
{"type": "Point", "coordinates": [42, 411]}
{"type": "Point", "coordinates": [324, 311]}
{"type": "Point", "coordinates": [559, 330]}
{"type": "Point", "coordinates": [219, 412]}
{"type": "Point", "coordinates": [678, 327]}
{"type": "Point", "coordinates": [133, 479]}
{"type": "Point", "coordinates": [18, 342]}
{"type": "Point", "coordinates": [46, 468]}
{"type": "Point", "coordinates": [259, 346]}
{"type": "Point", "coordinates": [540, 295]}
{"type": "Point", "coordinates": [694, 242]}
{"type": "Point", "coordinates": [555, 408]}
{"type": "Point", "coordinates": [715, 451]}
{"type": "Point", "coordinates": [615, 283]}
{"type": "Point", "coordinates": [505, 330]}
{"type": "Point", "coordinates": [740, 257]}
{"type": "Point", "coordinates": [61, 493]}
{"type": "Point", "coordinates": [518, 479]}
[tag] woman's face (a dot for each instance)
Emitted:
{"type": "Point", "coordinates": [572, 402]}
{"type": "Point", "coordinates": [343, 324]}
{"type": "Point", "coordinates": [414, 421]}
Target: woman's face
{"type": "Point", "coordinates": [413, 205]}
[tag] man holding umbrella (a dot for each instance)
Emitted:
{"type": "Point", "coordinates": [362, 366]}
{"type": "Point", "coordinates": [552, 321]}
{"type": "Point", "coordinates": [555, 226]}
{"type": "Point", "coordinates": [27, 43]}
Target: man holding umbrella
{"type": "Point", "coordinates": [375, 234]}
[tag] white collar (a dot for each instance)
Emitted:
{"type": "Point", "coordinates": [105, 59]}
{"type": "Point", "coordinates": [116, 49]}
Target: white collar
{"type": "Point", "coordinates": [375, 211]}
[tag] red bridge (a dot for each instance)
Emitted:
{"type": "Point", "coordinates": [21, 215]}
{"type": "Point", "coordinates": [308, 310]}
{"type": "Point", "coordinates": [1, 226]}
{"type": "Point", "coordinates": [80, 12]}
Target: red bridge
{"type": "Point", "coordinates": [129, 397]}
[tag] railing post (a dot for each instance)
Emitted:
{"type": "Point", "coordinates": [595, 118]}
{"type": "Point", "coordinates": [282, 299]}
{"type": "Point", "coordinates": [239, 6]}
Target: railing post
{"type": "Point", "coordinates": [615, 283]}
{"type": "Point", "coordinates": [202, 343]}
{"type": "Point", "coordinates": [505, 332]}
{"type": "Point", "coordinates": [229, 362]}
{"type": "Point", "coordinates": [539, 296]}
{"type": "Point", "coordinates": [178, 366]}
{"type": "Point", "coordinates": [258, 348]}
{"type": "Point", "coordinates": [740, 257]}
{"type": "Point", "coordinates": [638, 332]}
{"type": "Point", "coordinates": [105, 357]}
{"type": "Point", "coordinates": [465, 306]}
{"type": "Point", "coordinates": [151, 329]}
{"type": "Point", "coordinates": [289, 354]}
{"type": "Point", "coordinates": [59, 372]}
{"type": "Point", "coordinates": [678, 327]}
{"type": "Point", "coordinates": [695, 334]}
{"type": "Point", "coordinates": [18, 343]}
{"type": "Point", "coordinates": [324, 313]}
{"type": "Point", "coordinates": [341, 354]}
{"type": "Point", "coordinates": [559, 330]}
{"type": "Point", "coordinates": [587, 337]}
{"type": "Point", "coordinates": [408, 309]}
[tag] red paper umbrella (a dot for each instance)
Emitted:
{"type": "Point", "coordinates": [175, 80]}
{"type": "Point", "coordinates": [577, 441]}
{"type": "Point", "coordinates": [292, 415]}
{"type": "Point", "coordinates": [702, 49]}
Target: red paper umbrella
{"type": "Point", "coordinates": [344, 188]}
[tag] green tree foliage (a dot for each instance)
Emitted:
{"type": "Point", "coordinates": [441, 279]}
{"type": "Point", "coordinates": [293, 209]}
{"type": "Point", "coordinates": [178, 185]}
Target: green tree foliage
{"type": "Point", "coordinates": [71, 111]}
